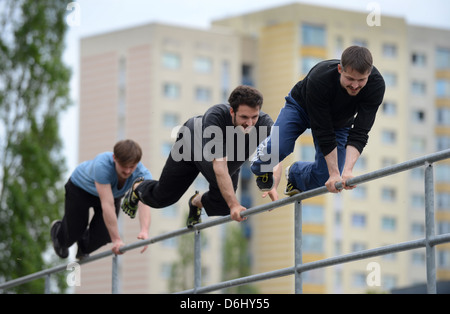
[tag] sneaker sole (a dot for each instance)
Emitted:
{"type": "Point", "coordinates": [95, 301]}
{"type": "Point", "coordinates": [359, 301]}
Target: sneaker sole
{"type": "Point", "coordinates": [54, 222]}
{"type": "Point", "coordinates": [294, 191]}
{"type": "Point", "coordinates": [188, 223]}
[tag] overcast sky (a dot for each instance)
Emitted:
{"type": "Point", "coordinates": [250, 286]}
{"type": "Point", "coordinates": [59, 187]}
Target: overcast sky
{"type": "Point", "coordinates": [100, 16]}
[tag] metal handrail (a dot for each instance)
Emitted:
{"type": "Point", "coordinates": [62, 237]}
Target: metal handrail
{"type": "Point", "coordinates": [429, 242]}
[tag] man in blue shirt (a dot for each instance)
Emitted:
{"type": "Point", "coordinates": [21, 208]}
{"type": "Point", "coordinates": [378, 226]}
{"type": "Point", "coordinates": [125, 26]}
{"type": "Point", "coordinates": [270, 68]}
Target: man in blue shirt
{"type": "Point", "coordinates": [100, 183]}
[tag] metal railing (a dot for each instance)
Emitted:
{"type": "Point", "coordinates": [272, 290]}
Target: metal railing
{"type": "Point", "coordinates": [429, 242]}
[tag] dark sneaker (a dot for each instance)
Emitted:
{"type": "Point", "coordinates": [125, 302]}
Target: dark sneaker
{"type": "Point", "coordinates": [130, 200]}
{"type": "Point", "coordinates": [62, 252]}
{"type": "Point", "coordinates": [80, 254]}
{"type": "Point", "coordinates": [265, 182]}
{"type": "Point", "coordinates": [290, 188]}
{"type": "Point", "coordinates": [194, 213]}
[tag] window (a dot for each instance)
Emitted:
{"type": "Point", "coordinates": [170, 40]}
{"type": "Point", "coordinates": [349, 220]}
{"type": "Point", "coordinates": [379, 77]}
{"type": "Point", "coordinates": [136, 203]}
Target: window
{"type": "Point", "coordinates": [443, 116]}
{"type": "Point", "coordinates": [361, 164]}
{"type": "Point", "coordinates": [418, 258]}
{"type": "Point", "coordinates": [443, 58]}
{"type": "Point", "coordinates": [419, 59]}
{"type": "Point", "coordinates": [313, 35]}
{"type": "Point", "coordinates": [418, 116]}
{"type": "Point", "coordinates": [417, 229]}
{"type": "Point", "coordinates": [418, 88]}
{"type": "Point", "coordinates": [390, 79]}
{"type": "Point", "coordinates": [388, 161]}
{"type": "Point", "coordinates": [359, 220]}
{"type": "Point", "coordinates": [165, 149]}
{"type": "Point", "coordinates": [312, 214]}
{"type": "Point", "coordinates": [359, 280]}
{"type": "Point", "coordinates": [313, 243]}
{"type": "Point", "coordinates": [360, 42]}
{"type": "Point", "coordinates": [389, 282]}
{"type": "Point", "coordinates": [390, 108]}
{"type": "Point", "coordinates": [443, 227]}
{"type": "Point", "coordinates": [203, 65]}
{"type": "Point", "coordinates": [388, 223]}
{"type": "Point", "coordinates": [247, 74]}
{"type": "Point", "coordinates": [170, 120]}
{"type": "Point", "coordinates": [203, 94]}
{"type": "Point", "coordinates": [360, 193]}
{"type": "Point", "coordinates": [443, 201]}
{"type": "Point", "coordinates": [443, 88]}
{"type": "Point", "coordinates": [358, 246]}
{"type": "Point", "coordinates": [418, 201]}
{"type": "Point", "coordinates": [315, 276]}
{"type": "Point", "coordinates": [388, 137]}
{"type": "Point", "coordinates": [388, 194]}
{"type": "Point", "coordinates": [171, 61]}
{"type": "Point", "coordinates": [443, 142]}
{"type": "Point", "coordinates": [443, 259]}
{"type": "Point", "coordinates": [442, 173]}
{"type": "Point", "coordinates": [418, 144]}
{"type": "Point", "coordinates": [389, 50]}
{"type": "Point", "coordinates": [417, 174]}
{"type": "Point", "coordinates": [171, 90]}
{"type": "Point", "coordinates": [308, 63]}
{"type": "Point", "coordinates": [308, 153]}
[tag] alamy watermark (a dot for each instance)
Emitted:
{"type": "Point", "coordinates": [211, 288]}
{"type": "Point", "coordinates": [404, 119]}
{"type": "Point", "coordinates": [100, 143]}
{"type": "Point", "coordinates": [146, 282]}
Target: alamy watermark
{"type": "Point", "coordinates": [73, 279]}
{"type": "Point", "coordinates": [198, 143]}
{"type": "Point", "coordinates": [374, 17]}
{"type": "Point", "coordinates": [373, 279]}
{"type": "Point", "coordinates": [73, 19]}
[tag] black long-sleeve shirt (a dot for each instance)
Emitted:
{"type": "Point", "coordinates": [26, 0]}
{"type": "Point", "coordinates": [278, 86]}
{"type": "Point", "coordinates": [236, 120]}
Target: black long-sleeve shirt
{"type": "Point", "coordinates": [329, 106]}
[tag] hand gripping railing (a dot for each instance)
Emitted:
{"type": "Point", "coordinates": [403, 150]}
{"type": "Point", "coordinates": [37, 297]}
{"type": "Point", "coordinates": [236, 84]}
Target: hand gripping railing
{"type": "Point", "coordinates": [429, 242]}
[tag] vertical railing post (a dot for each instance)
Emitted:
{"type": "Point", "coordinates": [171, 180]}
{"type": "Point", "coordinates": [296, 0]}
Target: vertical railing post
{"type": "Point", "coordinates": [197, 261]}
{"type": "Point", "coordinates": [115, 275]}
{"type": "Point", "coordinates": [298, 246]}
{"type": "Point", "coordinates": [429, 229]}
{"type": "Point", "coordinates": [47, 284]}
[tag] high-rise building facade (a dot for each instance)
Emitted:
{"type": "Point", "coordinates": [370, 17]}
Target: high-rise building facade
{"type": "Point", "coordinates": [142, 82]}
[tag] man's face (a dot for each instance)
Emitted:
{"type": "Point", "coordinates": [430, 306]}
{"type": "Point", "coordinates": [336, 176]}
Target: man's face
{"type": "Point", "coordinates": [125, 171]}
{"type": "Point", "coordinates": [352, 81]}
{"type": "Point", "coordinates": [245, 117]}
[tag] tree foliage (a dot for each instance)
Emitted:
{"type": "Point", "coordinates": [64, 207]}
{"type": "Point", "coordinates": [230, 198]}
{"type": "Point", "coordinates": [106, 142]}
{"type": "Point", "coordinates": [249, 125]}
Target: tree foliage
{"type": "Point", "coordinates": [236, 259]}
{"type": "Point", "coordinates": [34, 90]}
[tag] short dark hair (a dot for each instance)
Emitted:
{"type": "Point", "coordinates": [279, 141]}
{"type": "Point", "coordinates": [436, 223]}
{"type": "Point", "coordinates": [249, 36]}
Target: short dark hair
{"type": "Point", "coordinates": [245, 95]}
{"type": "Point", "coordinates": [358, 58]}
{"type": "Point", "coordinates": [127, 152]}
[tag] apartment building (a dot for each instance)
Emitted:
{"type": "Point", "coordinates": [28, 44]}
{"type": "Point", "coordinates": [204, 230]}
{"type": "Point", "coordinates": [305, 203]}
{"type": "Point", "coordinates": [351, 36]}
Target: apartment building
{"type": "Point", "coordinates": [142, 82]}
{"type": "Point", "coordinates": [429, 125]}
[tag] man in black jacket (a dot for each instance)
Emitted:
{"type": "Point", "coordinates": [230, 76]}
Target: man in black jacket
{"type": "Point", "coordinates": [338, 100]}
{"type": "Point", "coordinates": [216, 145]}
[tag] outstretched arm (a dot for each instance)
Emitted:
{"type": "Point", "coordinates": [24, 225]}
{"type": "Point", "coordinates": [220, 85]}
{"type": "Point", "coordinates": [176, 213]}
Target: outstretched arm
{"type": "Point", "coordinates": [226, 188]}
{"type": "Point", "coordinates": [352, 155]}
{"type": "Point", "coordinates": [109, 215]}
{"type": "Point", "coordinates": [144, 220]}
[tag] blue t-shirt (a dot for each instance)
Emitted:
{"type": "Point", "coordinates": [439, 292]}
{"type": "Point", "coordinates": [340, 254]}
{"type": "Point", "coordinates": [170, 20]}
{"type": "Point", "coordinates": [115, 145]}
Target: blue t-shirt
{"type": "Point", "coordinates": [102, 169]}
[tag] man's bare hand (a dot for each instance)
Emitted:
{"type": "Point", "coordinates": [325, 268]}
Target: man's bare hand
{"type": "Point", "coordinates": [235, 213]}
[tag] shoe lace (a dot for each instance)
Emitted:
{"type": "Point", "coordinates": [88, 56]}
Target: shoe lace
{"type": "Point", "coordinates": [264, 178]}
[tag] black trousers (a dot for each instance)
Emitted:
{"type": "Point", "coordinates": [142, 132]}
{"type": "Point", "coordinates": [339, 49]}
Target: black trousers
{"type": "Point", "coordinates": [176, 178]}
{"type": "Point", "coordinates": [75, 225]}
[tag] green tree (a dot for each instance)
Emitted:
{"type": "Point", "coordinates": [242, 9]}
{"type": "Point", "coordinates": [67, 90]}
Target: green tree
{"type": "Point", "coordinates": [236, 261]}
{"type": "Point", "coordinates": [34, 90]}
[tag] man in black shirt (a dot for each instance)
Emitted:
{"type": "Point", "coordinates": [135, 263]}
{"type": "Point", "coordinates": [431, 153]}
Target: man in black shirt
{"type": "Point", "coordinates": [338, 100]}
{"type": "Point", "coordinates": [216, 144]}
